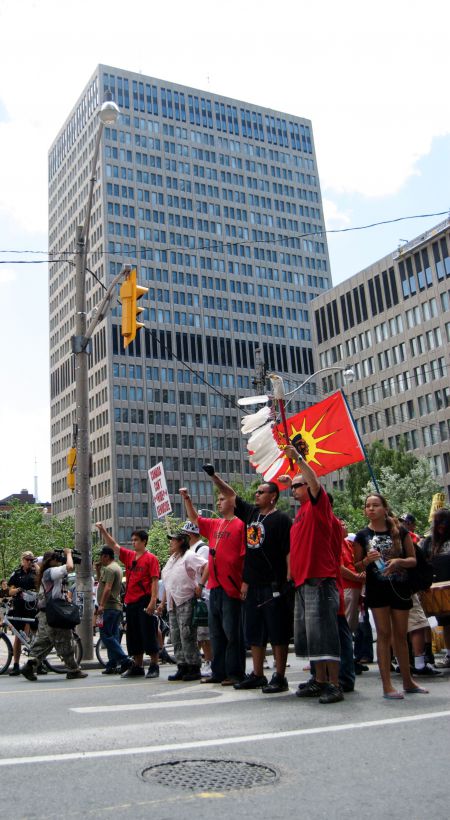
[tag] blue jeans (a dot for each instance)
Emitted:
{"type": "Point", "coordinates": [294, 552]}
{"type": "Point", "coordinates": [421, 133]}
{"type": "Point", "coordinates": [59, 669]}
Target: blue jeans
{"type": "Point", "coordinates": [110, 635]}
{"type": "Point", "coordinates": [227, 640]}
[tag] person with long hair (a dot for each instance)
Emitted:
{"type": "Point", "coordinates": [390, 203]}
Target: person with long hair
{"type": "Point", "coordinates": [52, 582]}
{"type": "Point", "coordinates": [384, 550]}
{"type": "Point", "coordinates": [437, 550]}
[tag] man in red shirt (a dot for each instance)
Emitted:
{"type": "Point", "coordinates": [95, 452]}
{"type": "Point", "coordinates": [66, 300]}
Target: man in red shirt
{"type": "Point", "coordinates": [142, 573]}
{"type": "Point", "coordinates": [224, 574]}
{"type": "Point", "coordinates": [313, 568]}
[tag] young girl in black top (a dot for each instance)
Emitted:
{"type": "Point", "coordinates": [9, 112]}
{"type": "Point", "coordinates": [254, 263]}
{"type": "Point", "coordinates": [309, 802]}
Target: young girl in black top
{"type": "Point", "coordinates": [385, 551]}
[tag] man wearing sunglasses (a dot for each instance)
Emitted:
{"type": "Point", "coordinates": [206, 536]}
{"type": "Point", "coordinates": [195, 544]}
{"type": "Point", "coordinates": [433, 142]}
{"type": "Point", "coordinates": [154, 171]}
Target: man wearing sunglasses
{"type": "Point", "coordinates": [313, 568]}
{"type": "Point", "coordinates": [142, 573]}
{"type": "Point", "coordinates": [264, 591]}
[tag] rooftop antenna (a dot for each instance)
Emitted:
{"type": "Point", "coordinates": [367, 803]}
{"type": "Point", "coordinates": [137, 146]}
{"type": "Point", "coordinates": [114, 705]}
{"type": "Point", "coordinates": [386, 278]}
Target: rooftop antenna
{"type": "Point", "coordinates": [35, 481]}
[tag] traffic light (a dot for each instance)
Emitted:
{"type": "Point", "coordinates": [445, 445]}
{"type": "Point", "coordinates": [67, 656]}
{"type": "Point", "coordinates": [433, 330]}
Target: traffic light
{"type": "Point", "coordinates": [130, 292]}
{"type": "Point", "coordinates": [71, 467]}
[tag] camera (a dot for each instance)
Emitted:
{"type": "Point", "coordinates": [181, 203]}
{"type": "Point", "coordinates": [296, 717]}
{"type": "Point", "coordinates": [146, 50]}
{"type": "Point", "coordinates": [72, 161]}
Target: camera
{"type": "Point", "coordinates": [61, 556]}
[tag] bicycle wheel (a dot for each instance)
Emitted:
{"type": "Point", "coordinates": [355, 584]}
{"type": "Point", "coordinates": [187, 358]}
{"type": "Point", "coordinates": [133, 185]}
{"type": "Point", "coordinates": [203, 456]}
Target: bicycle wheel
{"type": "Point", "coordinates": [100, 650]}
{"type": "Point", "coordinates": [53, 662]}
{"type": "Point", "coordinates": [5, 652]}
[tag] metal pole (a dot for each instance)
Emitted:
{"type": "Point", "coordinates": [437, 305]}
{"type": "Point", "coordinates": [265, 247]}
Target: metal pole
{"type": "Point", "coordinates": [82, 484]}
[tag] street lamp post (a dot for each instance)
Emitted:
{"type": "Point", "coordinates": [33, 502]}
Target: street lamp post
{"type": "Point", "coordinates": [81, 348]}
{"type": "Point", "coordinates": [349, 376]}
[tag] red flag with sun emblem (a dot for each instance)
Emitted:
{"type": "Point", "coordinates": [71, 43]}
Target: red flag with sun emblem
{"type": "Point", "coordinates": [324, 433]}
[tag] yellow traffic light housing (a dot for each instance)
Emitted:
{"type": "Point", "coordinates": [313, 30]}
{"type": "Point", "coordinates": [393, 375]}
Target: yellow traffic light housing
{"type": "Point", "coordinates": [130, 292]}
{"type": "Point", "coordinates": [71, 467]}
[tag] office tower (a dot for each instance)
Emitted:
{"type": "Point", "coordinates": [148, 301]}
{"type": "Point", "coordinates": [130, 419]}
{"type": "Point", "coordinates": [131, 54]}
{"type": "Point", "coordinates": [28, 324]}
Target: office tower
{"type": "Point", "coordinates": [391, 324]}
{"type": "Point", "coordinates": [217, 203]}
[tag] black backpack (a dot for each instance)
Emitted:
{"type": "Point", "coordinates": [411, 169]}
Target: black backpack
{"type": "Point", "coordinates": [421, 576]}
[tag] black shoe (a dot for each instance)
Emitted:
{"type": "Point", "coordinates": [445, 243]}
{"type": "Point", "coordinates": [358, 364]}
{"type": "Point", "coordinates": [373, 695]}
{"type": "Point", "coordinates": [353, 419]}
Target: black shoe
{"type": "Point", "coordinates": [360, 668]}
{"type": "Point", "coordinates": [312, 689]}
{"type": "Point", "coordinates": [153, 671]}
{"type": "Point", "coordinates": [111, 670]}
{"type": "Point", "coordinates": [126, 665]}
{"type": "Point", "coordinates": [76, 674]}
{"type": "Point", "coordinates": [346, 687]}
{"type": "Point", "coordinates": [28, 671]}
{"type": "Point", "coordinates": [428, 672]}
{"type": "Point", "coordinates": [192, 673]}
{"type": "Point", "coordinates": [305, 683]}
{"type": "Point", "coordinates": [42, 669]}
{"type": "Point", "coordinates": [251, 681]}
{"type": "Point", "coordinates": [164, 656]}
{"type": "Point", "coordinates": [277, 684]}
{"type": "Point", "coordinates": [211, 679]}
{"type": "Point", "coordinates": [181, 671]}
{"type": "Point", "coordinates": [14, 671]}
{"type": "Point", "coordinates": [134, 672]}
{"type": "Point", "coordinates": [331, 694]}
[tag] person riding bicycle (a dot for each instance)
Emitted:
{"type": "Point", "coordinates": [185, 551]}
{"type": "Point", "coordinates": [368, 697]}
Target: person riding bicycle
{"type": "Point", "coordinates": [52, 581]}
{"type": "Point", "coordinates": [22, 591]}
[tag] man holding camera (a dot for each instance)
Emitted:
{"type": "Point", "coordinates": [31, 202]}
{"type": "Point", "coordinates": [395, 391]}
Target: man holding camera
{"type": "Point", "coordinates": [141, 596]}
{"type": "Point", "coordinates": [52, 583]}
{"type": "Point", "coordinates": [22, 589]}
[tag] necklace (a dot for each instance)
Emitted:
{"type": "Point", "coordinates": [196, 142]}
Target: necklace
{"type": "Point", "coordinates": [259, 520]}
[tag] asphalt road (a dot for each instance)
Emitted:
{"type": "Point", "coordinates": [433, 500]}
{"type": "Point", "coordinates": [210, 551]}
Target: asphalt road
{"type": "Point", "coordinates": [73, 749]}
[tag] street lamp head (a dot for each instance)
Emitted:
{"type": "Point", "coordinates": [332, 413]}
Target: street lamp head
{"type": "Point", "coordinates": [109, 112]}
{"type": "Point", "coordinates": [349, 376]}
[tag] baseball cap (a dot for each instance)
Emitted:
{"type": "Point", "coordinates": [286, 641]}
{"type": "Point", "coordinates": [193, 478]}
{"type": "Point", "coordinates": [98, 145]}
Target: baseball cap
{"type": "Point", "coordinates": [409, 518]}
{"type": "Point", "coordinates": [190, 528]}
{"type": "Point", "coordinates": [179, 536]}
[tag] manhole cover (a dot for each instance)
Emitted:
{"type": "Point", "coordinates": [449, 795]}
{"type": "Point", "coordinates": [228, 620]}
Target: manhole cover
{"type": "Point", "coordinates": [210, 775]}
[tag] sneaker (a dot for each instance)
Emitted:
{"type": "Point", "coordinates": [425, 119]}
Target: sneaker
{"type": "Point", "coordinates": [133, 672]}
{"type": "Point", "coordinates": [277, 684]}
{"type": "Point", "coordinates": [110, 670]}
{"type": "Point", "coordinates": [251, 681]}
{"type": "Point", "coordinates": [14, 671]}
{"type": "Point", "coordinates": [76, 674]}
{"type": "Point", "coordinates": [331, 694]}
{"type": "Point", "coordinates": [126, 665]}
{"type": "Point", "coordinates": [305, 683]}
{"type": "Point", "coordinates": [312, 689]}
{"type": "Point", "coordinates": [445, 664]}
{"type": "Point", "coordinates": [28, 671]}
{"type": "Point", "coordinates": [206, 669]}
{"type": "Point", "coordinates": [41, 670]}
{"type": "Point", "coordinates": [192, 673]}
{"type": "Point", "coordinates": [153, 671]}
{"type": "Point", "coordinates": [230, 681]}
{"type": "Point", "coordinates": [428, 671]}
{"type": "Point", "coordinates": [211, 679]}
{"type": "Point", "coordinates": [179, 674]}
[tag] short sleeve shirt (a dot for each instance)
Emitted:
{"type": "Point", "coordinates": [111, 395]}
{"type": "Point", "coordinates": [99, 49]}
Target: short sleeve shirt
{"type": "Point", "coordinates": [313, 540]}
{"type": "Point", "coordinates": [267, 544]}
{"type": "Point", "coordinates": [112, 574]}
{"type": "Point", "coordinates": [140, 573]}
{"type": "Point", "coordinates": [226, 553]}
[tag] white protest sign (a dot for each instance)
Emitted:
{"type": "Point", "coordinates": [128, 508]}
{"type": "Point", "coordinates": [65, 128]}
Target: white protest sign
{"type": "Point", "coordinates": [159, 491]}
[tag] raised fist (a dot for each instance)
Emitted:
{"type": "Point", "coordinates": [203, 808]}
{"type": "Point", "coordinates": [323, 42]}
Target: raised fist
{"type": "Point", "coordinates": [209, 469]}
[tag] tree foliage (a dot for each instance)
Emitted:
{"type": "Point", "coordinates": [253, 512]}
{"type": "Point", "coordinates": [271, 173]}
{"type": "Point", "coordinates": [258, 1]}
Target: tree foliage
{"type": "Point", "coordinates": [158, 542]}
{"type": "Point", "coordinates": [28, 527]}
{"type": "Point", "coordinates": [404, 480]}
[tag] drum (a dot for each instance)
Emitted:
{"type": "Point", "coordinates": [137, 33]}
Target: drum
{"type": "Point", "coordinates": [436, 599]}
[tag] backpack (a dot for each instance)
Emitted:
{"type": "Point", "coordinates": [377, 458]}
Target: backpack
{"type": "Point", "coordinates": [420, 577]}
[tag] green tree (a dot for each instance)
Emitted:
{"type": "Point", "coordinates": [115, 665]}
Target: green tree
{"type": "Point", "coordinates": [379, 456]}
{"type": "Point", "coordinates": [27, 526]}
{"type": "Point", "coordinates": [158, 542]}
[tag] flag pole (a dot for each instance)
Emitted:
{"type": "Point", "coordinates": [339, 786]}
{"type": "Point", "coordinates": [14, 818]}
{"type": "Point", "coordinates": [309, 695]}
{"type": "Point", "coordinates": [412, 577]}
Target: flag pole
{"type": "Point", "coordinates": [361, 443]}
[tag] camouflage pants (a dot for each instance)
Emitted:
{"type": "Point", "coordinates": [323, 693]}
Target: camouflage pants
{"type": "Point", "coordinates": [47, 638]}
{"type": "Point", "coordinates": [183, 634]}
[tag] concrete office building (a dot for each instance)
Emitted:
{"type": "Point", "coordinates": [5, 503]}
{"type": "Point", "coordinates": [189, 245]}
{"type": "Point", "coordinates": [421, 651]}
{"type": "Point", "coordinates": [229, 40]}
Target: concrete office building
{"type": "Point", "coordinates": [391, 324]}
{"type": "Point", "coordinates": [217, 202]}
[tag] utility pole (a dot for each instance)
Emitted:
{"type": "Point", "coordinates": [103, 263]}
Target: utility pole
{"type": "Point", "coordinates": [260, 377]}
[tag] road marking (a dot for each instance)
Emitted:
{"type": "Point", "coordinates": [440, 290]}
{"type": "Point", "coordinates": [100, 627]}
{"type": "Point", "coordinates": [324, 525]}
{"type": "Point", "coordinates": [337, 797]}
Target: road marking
{"type": "Point", "coordinates": [205, 700]}
{"type": "Point", "coordinates": [220, 741]}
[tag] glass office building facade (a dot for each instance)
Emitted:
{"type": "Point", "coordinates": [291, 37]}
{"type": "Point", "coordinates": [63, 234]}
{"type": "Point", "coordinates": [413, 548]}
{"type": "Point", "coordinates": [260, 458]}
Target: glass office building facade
{"type": "Point", "coordinates": [217, 203]}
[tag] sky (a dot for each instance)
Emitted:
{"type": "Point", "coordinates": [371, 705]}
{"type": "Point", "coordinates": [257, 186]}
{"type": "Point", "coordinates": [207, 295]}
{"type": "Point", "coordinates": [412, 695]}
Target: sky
{"type": "Point", "coordinates": [371, 77]}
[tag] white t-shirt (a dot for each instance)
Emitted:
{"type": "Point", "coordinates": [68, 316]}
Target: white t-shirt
{"type": "Point", "coordinates": [181, 575]}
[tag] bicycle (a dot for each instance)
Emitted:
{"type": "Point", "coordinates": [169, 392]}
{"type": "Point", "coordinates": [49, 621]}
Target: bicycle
{"type": "Point", "coordinates": [100, 648]}
{"type": "Point", "coordinates": [27, 641]}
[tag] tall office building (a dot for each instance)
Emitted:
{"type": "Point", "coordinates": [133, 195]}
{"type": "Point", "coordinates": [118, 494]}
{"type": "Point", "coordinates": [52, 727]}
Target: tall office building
{"type": "Point", "coordinates": [217, 203]}
{"type": "Point", "coordinates": [391, 324]}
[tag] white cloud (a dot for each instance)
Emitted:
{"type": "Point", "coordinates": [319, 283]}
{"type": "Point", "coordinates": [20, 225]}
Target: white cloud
{"type": "Point", "coordinates": [334, 217]}
{"type": "Point", "coordinates": [7, 275]}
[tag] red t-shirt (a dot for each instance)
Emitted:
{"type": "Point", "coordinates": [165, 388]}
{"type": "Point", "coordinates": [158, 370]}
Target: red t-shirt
{"type": "Point", "coordinates": [140, 573]}
{"type": "Point", "coordinates": [226, 539]}
{"type": "Point", "coordinates": [314, 541]}
{"type": "Point", "coordinates": [348, 561]}
{"type": "Point", "coordinates": [338, 538]}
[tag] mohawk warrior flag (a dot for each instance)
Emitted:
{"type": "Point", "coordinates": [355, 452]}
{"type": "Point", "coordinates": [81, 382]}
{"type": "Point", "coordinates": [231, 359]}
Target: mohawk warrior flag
{"type": "Point", "coordinates": [324, 434]}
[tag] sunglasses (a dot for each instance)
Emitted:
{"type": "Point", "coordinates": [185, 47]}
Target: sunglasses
{"type": "Point", "coordinates": [299, 484]}
{"type": "Point", "coordinates": [261, 492]}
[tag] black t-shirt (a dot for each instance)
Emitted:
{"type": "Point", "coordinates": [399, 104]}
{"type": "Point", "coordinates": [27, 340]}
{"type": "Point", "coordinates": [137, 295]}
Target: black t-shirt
{"type": "Point", "coordinates": [381, 541]}
{"type": "Point", "coordinates": [267, 544]}
{"type": "Point", "coordinates": [26, 581]}
{"type": "Point", "coordinates": [440, 561]}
